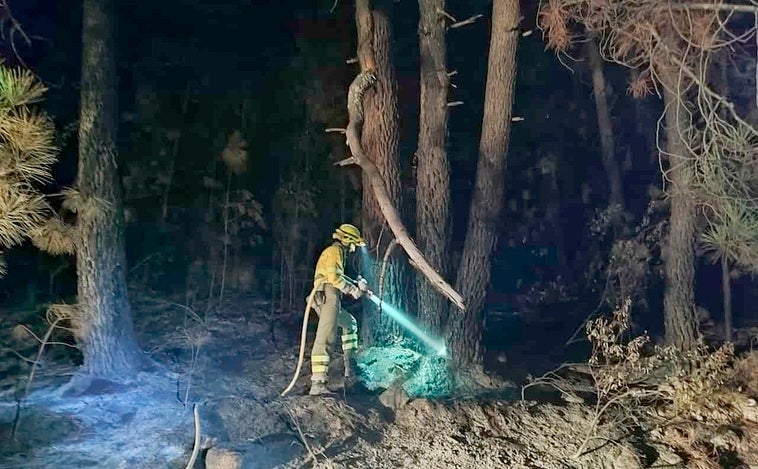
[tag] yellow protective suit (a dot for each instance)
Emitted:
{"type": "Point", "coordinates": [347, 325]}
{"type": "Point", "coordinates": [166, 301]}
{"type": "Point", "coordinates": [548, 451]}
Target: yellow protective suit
{"type": "Point", "coordinates": [329, 282]}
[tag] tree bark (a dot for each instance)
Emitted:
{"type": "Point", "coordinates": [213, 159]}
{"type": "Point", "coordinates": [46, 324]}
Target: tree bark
{"type": "Point", "coordinates": [106, 332]}
{"type": "Point", "coordinates": [679, 251]}
{"type": "Point", "coordinates": [433, 168]}
{"type": "Point", "coordinates": [379, 140]}
{"type": "Point", "coordinates": [465, 330]}
{"type": "Point", "coordinates": [605, 127]}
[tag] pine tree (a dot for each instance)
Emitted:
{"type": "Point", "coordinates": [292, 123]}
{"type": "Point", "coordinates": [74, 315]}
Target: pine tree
{"type": "Point", "coordinates": [27, 154]}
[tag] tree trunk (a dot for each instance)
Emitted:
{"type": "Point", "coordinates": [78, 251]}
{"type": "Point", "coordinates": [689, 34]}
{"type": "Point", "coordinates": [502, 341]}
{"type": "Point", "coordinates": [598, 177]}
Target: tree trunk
{"type": "Point", "coordinates": [433, 168]}
{"type": "Point", "coordinates": [608, 146]}
{"type": "Point", "coordinates": [644, 124]}
{"type": "Point", "coordinates": [465, 330]}
{"type": "Point", "coordinates": [727, 292]}
{"type": "Point", "coordinates": [679, 251]}
{"type": "Point", "coordinates": [379, 140]}
{"type": "Point", "coordinates": [106, 333]}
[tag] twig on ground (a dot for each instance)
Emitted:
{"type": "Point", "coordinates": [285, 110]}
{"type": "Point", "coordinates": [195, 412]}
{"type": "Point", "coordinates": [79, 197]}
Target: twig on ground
{"type": "Point", "coordinates": [196, 445]}
{"type": "Point", "coordinates": [301, 434]}
{"type": "Point", "coordinates": [30, 379]}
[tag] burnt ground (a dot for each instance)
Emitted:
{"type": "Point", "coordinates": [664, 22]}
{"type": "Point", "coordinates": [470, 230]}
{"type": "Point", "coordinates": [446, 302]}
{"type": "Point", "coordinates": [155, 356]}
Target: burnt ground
{"type": "Point", "coordinates": [232, 363]}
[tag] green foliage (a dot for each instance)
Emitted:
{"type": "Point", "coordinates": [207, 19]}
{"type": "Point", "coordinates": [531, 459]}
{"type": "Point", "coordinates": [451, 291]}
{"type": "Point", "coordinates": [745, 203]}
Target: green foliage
{"type": "Point", "coordinates": [733, 235]}
{"type": "Point", "coordinates": [27, 153]}
{"type": "Point", "coordinates": [727, 180]}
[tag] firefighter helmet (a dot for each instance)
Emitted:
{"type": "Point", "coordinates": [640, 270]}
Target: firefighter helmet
{"type": "Point", "coordinates": [348, 234]}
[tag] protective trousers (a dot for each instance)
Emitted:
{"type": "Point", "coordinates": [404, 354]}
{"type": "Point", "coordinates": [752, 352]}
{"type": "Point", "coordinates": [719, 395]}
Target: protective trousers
{"type": "Point", "coordinates": [326, 303]}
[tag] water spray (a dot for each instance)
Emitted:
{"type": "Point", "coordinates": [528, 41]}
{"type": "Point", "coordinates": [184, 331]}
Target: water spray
{"type": "Point", "coordinates": [402, 318]}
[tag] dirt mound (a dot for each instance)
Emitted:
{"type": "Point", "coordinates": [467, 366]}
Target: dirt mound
{"type": "Point", "coordinates": [471, 434]}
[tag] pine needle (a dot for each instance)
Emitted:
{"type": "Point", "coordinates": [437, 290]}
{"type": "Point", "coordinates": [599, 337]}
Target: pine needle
{"type": "Point", "coordinates": [89, 207]}
{"type": "Point", "coordinates": [54, 237]}
{"type": "Point", "coordinates": [62, 312]}
{"type": "Point", "coordinates": [3, 266]}
{"type": "Point", "coordinates": [21, 210]}
{"type": "Point", "coordinates": [19, 87]}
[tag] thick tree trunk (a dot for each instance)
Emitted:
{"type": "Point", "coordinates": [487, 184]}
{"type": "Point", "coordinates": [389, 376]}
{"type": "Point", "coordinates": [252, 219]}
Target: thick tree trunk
{"type": "Point", "coordinates": [679, 251]}
{"type": "Point", "coordinates": [380, 142]}
{"type": "Point", "coordinates": [106, 333]}
{"type": "Point", "coordinates": [465, 331]}
{"type": "Point", "coordinates": [607, 143]}
{"type": "Point", "coordinates": [433, 168]}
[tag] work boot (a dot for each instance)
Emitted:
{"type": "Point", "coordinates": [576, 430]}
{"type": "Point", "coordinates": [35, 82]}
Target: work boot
{"type": "Point", "coordinates": [318, 386]}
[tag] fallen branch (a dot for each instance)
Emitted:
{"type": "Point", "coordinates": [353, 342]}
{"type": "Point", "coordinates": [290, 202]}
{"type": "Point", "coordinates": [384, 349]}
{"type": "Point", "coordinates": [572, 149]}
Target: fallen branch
{"type": "Point", "coordinates": [355, 110]}
{"type": "Point", "coordinates": [358, 88]}
{"type": "Point", "coordinates": [196, 446]}
{"type": "Point", "coordinates": [301, 435]}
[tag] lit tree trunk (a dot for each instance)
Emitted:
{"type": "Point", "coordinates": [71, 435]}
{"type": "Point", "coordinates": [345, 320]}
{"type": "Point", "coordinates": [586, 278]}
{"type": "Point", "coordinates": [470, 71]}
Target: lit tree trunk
{"type": "Point", "coordinates": [433, 168]}
{"type": "Point", "coordinates": [379, 140]}
{"type": "Point", "coordinates": [106, 333]}
{"type": "Point", "coordinates": [679, 250]}
{"type": "Point", "coordinates": [472, 281]}
{"type": "Point", "coordinates": [608, 146]}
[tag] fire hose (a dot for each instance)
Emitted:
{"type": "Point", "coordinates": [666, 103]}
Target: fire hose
{"type": "Point", "coordinates": [360, 283]}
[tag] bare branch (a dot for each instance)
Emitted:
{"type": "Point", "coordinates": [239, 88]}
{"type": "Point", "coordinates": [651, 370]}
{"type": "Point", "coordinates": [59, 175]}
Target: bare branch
{"type": "Point", "coordinates": [465, 22]}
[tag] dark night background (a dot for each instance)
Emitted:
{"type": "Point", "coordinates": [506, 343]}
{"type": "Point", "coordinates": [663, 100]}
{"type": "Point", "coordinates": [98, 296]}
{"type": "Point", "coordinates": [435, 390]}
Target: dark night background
{"type": "Point", "coordinates": [193, 73]}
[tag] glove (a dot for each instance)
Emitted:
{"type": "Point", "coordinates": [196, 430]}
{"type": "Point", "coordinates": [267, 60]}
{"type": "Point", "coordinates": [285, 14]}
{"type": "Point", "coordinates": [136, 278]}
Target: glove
{"type": "Point", "coordinates": [362, 284]}
{"type": "Point", "coordinates": [355, 292]}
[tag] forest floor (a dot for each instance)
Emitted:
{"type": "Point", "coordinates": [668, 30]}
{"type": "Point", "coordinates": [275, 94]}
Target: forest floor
{"type": "Point", "coordinates": [232, 364]}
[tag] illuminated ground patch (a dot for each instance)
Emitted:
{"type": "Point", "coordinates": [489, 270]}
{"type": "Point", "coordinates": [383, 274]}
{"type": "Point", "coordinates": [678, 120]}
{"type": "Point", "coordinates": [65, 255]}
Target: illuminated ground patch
{"type": "Point", "coordinates": [420, 375]}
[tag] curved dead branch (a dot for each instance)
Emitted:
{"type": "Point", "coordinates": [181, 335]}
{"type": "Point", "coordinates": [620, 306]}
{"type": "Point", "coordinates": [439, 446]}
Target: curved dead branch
{"type": "Point", "coordinates": [360, 84]}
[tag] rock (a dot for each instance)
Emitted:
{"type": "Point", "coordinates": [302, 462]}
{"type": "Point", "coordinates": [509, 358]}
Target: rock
{"type": "Point", "coordinates": [223, 458]}
{"type": "Point", "coordinates": [394, 398]}
{"type": "Point", "coordinates": [666, 456]}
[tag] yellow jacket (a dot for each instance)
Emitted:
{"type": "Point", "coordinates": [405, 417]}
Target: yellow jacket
{"type": "Point", "coordinates": [330, 268]}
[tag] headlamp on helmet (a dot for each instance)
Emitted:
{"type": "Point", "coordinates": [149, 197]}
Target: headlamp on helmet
{"type": "Point", "coordinates": [349, 236]}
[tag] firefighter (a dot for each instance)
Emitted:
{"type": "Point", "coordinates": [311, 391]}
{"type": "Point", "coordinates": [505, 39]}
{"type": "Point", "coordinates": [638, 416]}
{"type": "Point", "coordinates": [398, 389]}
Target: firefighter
{"type": "Point", "coordinates": [330, 282]}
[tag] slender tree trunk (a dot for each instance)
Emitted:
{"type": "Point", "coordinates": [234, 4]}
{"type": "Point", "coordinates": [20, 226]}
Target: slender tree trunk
{"type": "Point", "coordinates": [727, 292]}
{"type": "Point", "coordinates": [607, 143]}
{"type": "Point", "coordinates": [465, 330]}
{"type": "Point", "coordinates": [679, 252]}
{"type": "Point", "coordinates": [433, 168]}
{"type": "Point", "coordinates": [643, 123]}
{"type": "Point", "coordinates": [379, 139]}
{"type": "Point", "coordinates": [106, 331]}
